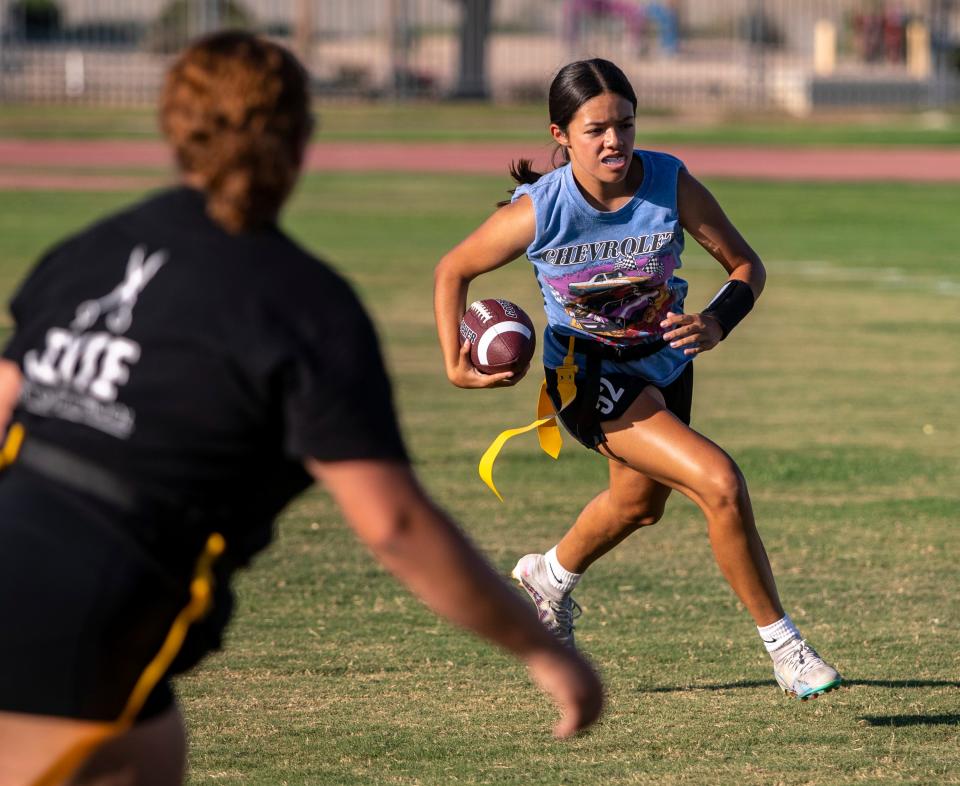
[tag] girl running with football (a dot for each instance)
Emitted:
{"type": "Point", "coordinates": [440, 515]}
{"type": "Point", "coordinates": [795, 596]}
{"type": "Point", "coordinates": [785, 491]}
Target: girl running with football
{"type": "Point", "coordinates": [605, 232]}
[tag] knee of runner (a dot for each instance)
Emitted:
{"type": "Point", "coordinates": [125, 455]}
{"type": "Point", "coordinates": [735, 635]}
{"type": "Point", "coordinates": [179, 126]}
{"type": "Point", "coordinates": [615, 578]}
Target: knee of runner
{"type": "Point", "coordinates": [724, 487]}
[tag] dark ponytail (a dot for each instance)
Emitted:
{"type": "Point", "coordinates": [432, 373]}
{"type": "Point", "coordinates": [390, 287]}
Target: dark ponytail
{"type": "Point", "coordinates": [574, 85]}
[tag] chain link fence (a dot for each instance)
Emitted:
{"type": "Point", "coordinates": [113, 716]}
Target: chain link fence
{"type": "Point", "coordinates": [796, 55]}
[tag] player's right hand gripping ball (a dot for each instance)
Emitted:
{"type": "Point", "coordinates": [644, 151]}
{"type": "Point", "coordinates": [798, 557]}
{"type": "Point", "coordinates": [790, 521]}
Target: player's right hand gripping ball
{"type": "Point", "coordinates": [501, 336]}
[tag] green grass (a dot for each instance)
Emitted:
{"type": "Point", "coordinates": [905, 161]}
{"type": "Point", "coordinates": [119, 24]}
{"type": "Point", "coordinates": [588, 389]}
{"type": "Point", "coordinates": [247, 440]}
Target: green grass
{"type": "Point", "coordinates": [521, 123]}
{"type": "Point", "coordinates": [838, 398]}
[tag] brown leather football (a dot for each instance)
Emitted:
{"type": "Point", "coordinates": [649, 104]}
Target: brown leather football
{"type": "Point", "coordinates": [501, 335]}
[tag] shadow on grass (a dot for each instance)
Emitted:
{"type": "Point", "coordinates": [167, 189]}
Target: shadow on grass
{"type": "Point", "coordinates": [846, 683]}
{"type": "Point", "coordinates": [912, 720]}
{"type": "Point", "coordinates": [905, 683]}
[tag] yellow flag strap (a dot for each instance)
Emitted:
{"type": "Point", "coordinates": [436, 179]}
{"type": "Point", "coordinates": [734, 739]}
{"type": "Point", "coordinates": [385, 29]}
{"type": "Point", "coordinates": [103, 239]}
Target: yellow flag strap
{"type": "Point", "coordinates": [11, 446]}
{"type": "Point", "coordinates": [548, 433]}
{"type": "Point", "coordinates": [201, 600]}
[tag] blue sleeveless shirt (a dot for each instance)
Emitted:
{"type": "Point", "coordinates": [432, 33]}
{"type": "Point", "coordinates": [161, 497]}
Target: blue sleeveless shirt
{"type": "Point", "coordinates": [609, 275]}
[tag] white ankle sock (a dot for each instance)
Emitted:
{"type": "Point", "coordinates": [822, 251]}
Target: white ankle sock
{"type": "Point", "coordinates": [778, 633]}
{"type": "Point", "coordinates": [558, 576]}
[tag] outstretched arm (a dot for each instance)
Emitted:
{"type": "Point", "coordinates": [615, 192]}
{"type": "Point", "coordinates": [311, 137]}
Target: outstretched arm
{"type": "Point", "coordinates": [703, 218]}
{"type": "Point", "coordinates": [499, 240]}
{"type": "Point", "coordinates": [388, 510]}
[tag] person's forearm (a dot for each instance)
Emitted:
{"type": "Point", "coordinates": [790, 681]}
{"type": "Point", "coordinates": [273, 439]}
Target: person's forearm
{"type": "Point", "coordinates": [418, 544]}
{"type": "Point", "coordinates": [433, 559]}
{"type": "Point", "coordinates": [392, 515]}
{"type": "Point", "coordinates": [449, 303]}
{"type": "Point", "coordinates": [752, 273]}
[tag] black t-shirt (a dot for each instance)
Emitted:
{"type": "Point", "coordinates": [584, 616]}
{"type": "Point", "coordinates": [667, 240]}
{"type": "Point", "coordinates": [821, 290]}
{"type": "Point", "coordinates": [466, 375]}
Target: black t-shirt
{"type": "Point", "coordinates": [197, 363]}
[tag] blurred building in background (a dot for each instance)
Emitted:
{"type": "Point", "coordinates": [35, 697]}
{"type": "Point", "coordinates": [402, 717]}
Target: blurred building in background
{"type": "Point", "coordinates": [794, 55]}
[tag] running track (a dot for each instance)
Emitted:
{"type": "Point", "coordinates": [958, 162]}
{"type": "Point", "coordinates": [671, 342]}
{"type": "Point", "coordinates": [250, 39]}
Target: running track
{"type": "Point", "coordinates": [40, 164]}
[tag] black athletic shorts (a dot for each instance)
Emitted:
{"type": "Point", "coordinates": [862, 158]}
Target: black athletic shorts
{"type": "Point", "coordinates": [84, 608]}
{"type": "Point", "coordinates": [606, 396]}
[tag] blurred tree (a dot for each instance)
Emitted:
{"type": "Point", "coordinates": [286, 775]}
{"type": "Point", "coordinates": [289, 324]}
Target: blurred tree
{"type": "Point", "coordinates": [757, 27]}
{"type": "Point", "coordinates": [181, 20]}
{"type": "Point", "coordinates": [475, 24]}
{"type": "Point", "coordinates": [34, 20]}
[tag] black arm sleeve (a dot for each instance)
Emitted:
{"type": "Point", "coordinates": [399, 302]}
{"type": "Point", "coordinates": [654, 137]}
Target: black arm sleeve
{"type": "Point", "coordinates": [730, 305]}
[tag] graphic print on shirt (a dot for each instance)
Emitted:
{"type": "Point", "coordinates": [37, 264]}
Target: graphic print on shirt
{"type": "Point", "coordinates": [80, 370]}
{"type": "Point", "coordinates": [614, 295]}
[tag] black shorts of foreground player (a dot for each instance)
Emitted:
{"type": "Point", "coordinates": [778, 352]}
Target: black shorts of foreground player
{"type": "Point", "coordinates": [178, 372]}
{"type": "Point", "coordinates": [605, 232]}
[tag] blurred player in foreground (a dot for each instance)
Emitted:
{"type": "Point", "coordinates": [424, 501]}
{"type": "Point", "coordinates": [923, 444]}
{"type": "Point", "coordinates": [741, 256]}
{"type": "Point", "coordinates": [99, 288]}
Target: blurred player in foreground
{"type": "Point", "coordinates": [604, 233]}
{"type": "Point", "coordinates": [177, 374]}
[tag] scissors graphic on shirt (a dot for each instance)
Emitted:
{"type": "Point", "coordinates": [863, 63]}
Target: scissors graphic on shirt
{"type": "Point", "coordinates": [119, 303]}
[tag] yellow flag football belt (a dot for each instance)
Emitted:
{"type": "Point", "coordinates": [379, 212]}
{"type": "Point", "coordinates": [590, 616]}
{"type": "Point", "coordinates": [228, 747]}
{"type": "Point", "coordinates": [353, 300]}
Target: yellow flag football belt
{"type": "Point", "coordinates": [199, 605]}
{"type": "Point", "coordinates": [11, 445]}
{"type": "Point", "coordinates": [548, 433]}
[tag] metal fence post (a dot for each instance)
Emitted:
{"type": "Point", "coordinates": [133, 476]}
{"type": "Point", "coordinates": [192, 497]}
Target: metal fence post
{"type": "Point", "coordinates": [3, 48]}
{"type": "Point", "coordinates": [206, 17]}
{"type": "Point", "coordinates": [938, 11]}
{"type": "Point", "coordinates": [758, 51]}
{"type": "Point", "coordinates": [398, 41]}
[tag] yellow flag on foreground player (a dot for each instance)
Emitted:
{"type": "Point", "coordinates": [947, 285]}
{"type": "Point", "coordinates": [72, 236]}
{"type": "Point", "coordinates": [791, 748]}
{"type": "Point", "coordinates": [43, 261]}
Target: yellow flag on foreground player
{"type": "Point", "coordinates": [11, 445]}
{"type": "Point", "coordinates": [199, 605]}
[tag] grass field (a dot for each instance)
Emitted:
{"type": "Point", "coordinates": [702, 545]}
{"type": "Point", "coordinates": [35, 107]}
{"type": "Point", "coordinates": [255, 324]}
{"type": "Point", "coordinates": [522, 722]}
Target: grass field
{"type": "Point", "coordinates": [838, 397]}
{"type": "Point", "coordinates": [459, 122]}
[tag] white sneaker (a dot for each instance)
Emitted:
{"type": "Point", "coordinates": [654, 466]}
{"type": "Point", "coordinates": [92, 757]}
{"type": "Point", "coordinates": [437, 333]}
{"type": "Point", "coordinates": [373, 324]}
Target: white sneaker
{"type": "Point", "coordinates": [557, 611]}
{"type": "Point", "coordinates": [801, 672]}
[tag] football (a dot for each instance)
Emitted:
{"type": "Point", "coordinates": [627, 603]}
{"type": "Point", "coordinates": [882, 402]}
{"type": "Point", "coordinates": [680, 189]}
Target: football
{"type": "Point", "coordinates": [501, 335]}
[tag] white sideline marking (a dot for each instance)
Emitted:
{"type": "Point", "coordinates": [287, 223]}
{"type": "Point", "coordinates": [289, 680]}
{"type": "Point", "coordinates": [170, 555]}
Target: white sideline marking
{"type": "Point", "coordinates": [880, 277]}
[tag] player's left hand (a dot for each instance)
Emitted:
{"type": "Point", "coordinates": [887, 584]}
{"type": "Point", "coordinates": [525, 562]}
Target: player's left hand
{"type": "Point", "coordinates": [694, 333]}
{"type": "Point", "coordinates": [466, 375]}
